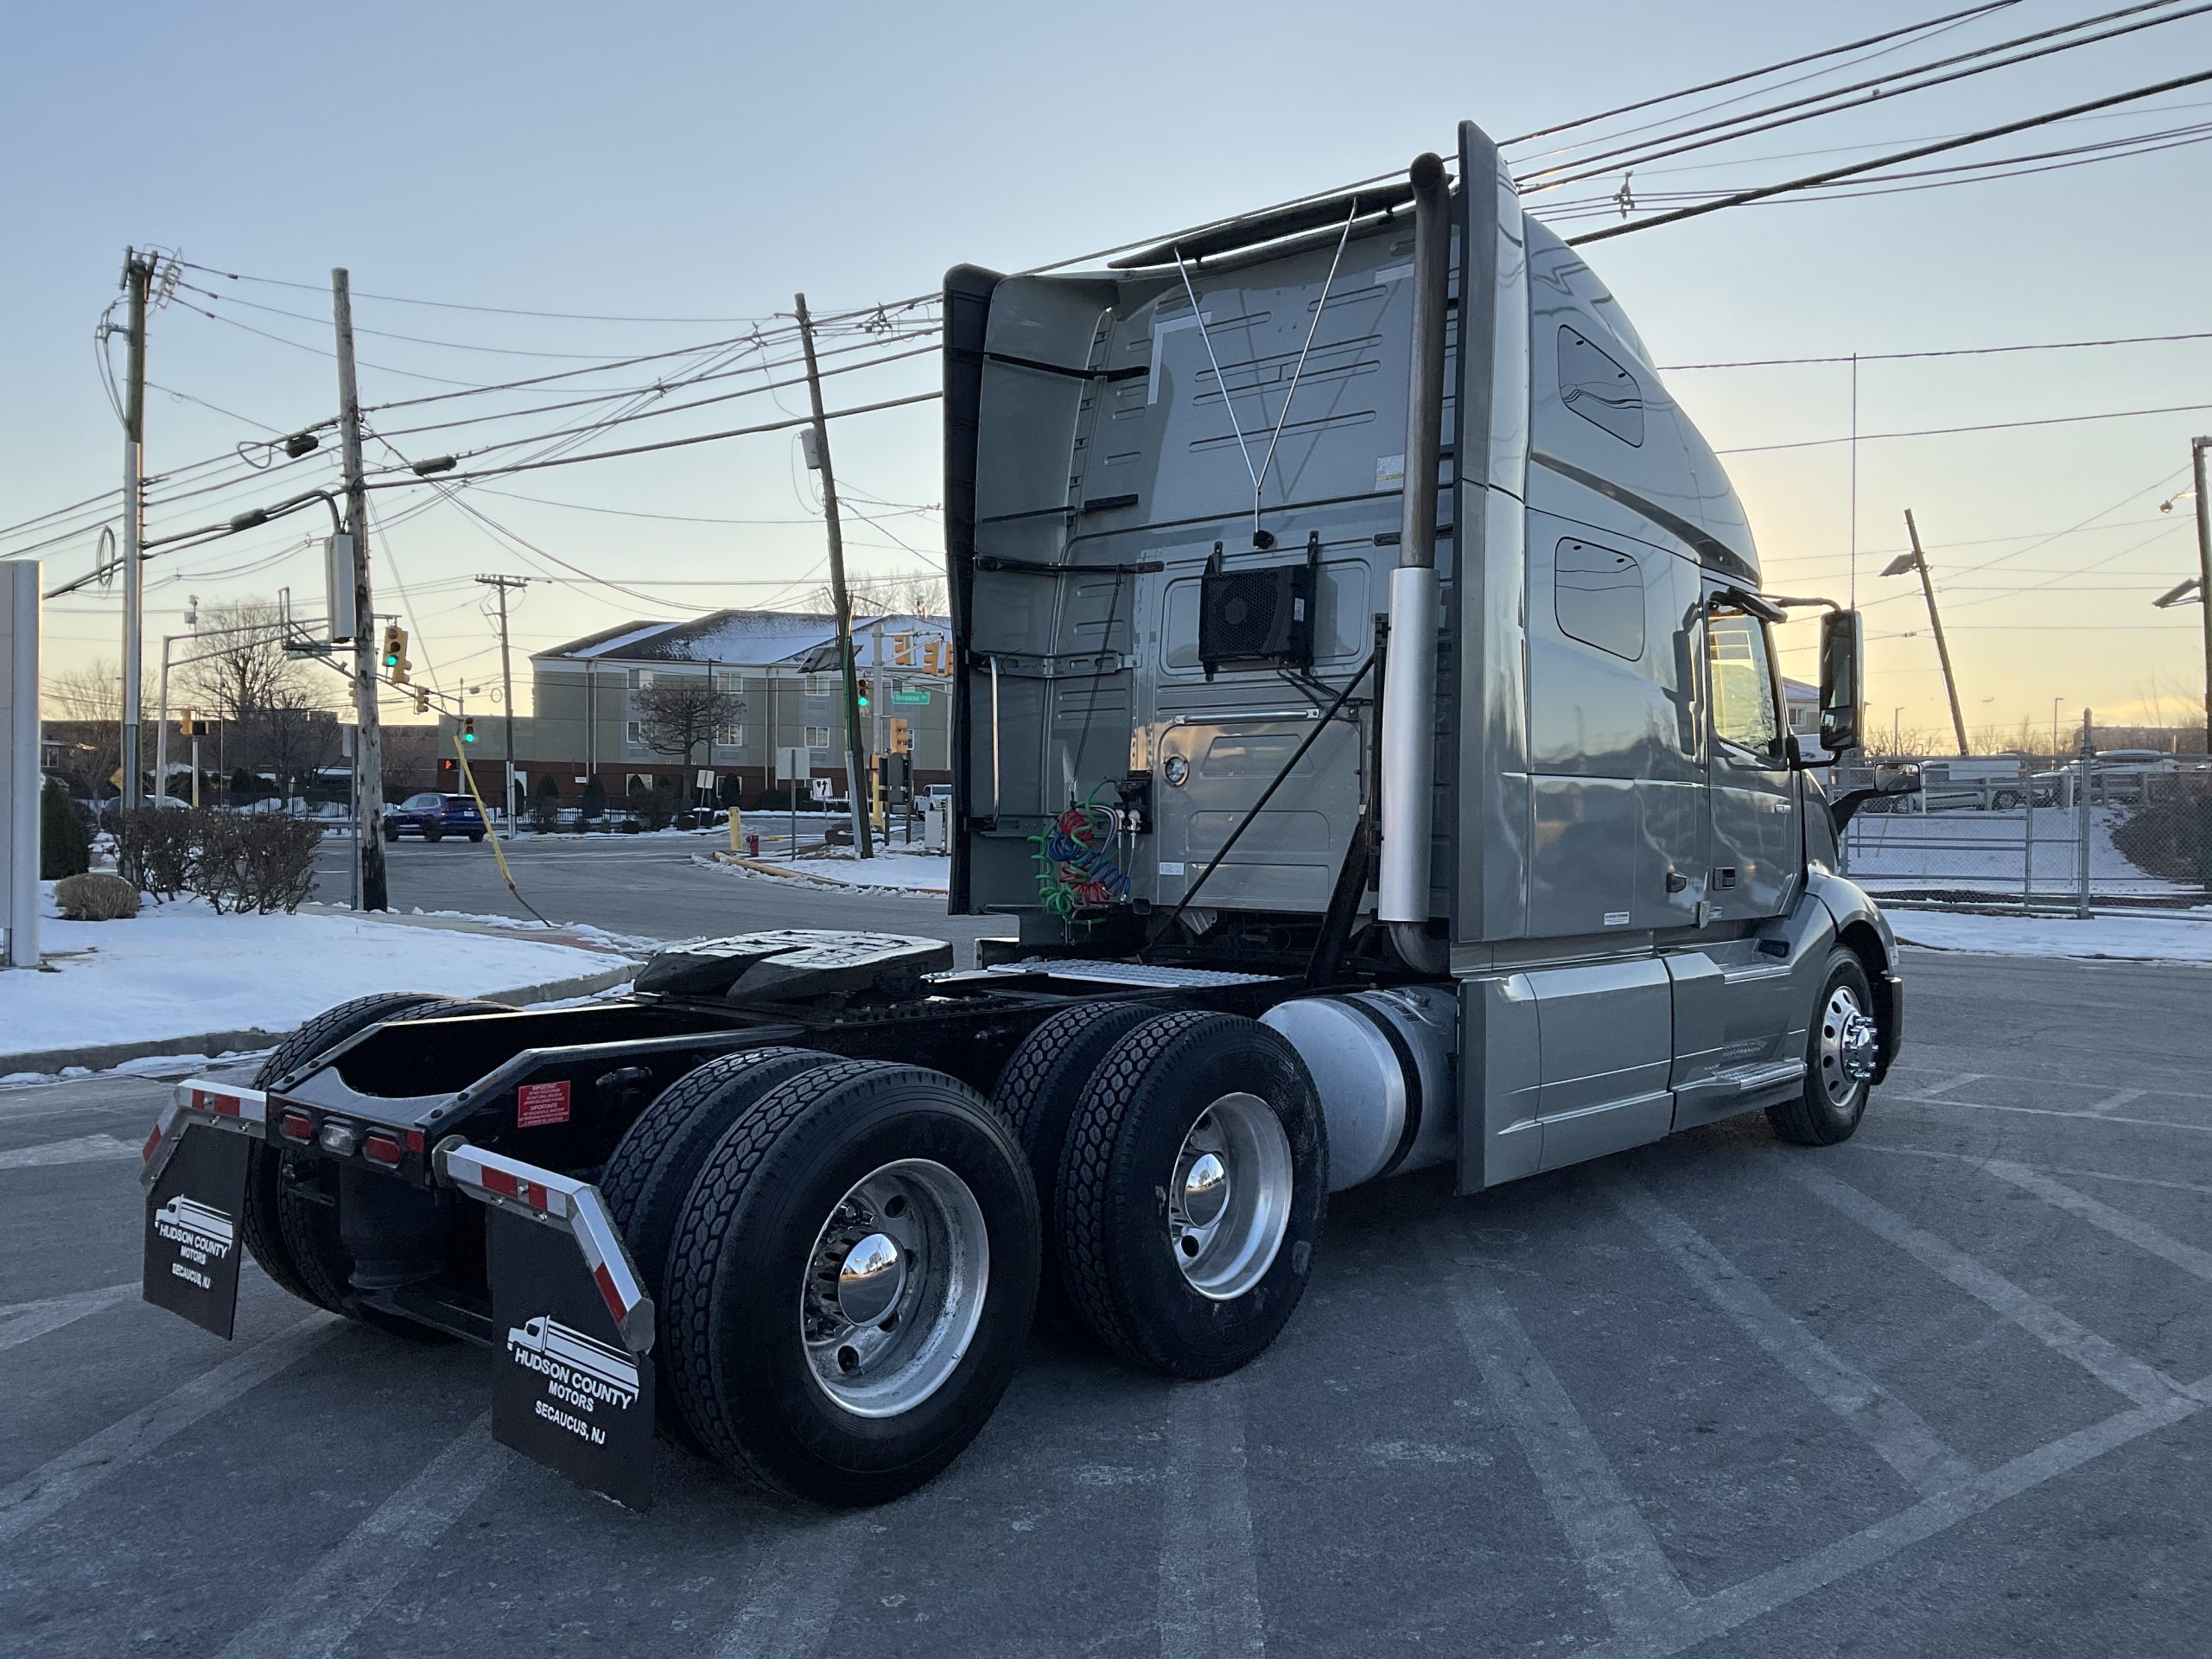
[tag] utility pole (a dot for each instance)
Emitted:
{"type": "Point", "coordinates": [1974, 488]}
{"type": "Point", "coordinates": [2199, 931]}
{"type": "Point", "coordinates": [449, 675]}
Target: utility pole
{"type": "Point", "coordinates": [137, 278]}
{"type": "Point", "coordinates": [2197, 447]}
{"type": "Point", "coordinates": [855, 762]}
{"type": "Point", "coordinates": [1918, 561]}
{"type": "Point", "coordinates": [373, 893]}
{"type": "Point", "coordinates": [507, 677]}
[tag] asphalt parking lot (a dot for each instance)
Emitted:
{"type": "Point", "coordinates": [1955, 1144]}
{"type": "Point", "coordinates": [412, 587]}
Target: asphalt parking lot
{"type": "Point", "coordinates": [1941, 1390]}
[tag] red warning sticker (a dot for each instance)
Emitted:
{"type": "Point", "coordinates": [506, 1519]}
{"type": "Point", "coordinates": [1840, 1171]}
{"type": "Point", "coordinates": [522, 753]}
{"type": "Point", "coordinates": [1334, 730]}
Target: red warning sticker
{"type": "Point", "coordinates": [539, 1103]}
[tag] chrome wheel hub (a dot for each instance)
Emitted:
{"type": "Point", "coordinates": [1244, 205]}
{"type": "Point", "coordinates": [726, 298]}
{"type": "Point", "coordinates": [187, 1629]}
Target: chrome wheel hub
{"type": "Point", "coordinates": [1849, 1042]}
{"type": "Point", "coordinates": [894, 1288]}
{"type": "Point", "coordinates": [1229, 1198]}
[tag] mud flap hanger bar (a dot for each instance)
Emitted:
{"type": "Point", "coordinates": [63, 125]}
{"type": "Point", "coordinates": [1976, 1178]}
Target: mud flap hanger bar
{"type": "Point", "coordinates": [216, 1106]}
{"type": "Point", "coordinates": [569, 1206]}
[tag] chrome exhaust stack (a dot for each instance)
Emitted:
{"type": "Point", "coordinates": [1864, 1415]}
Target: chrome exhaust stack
{"type": "Point", "coordinates": [1409, 737]}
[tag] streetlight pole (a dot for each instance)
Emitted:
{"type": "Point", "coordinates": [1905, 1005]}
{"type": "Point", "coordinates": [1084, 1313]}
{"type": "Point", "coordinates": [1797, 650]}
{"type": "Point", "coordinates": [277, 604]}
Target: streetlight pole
{"type": "Point", "coordinates": [2197, 447]}
{"type": "Point", "coordinates": [2054, 702]}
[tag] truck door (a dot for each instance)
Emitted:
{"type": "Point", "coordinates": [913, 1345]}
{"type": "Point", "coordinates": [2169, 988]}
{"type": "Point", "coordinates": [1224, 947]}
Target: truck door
{"type": "Point", "coordinates": [1754, 846]}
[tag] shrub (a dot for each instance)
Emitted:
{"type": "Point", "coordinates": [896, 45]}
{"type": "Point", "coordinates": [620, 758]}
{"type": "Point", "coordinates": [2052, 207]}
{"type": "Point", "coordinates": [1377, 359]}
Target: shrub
{"type": "Point", "coordinates": [594, 801]}
{"type": "Point", "coordinates": [628, 826]}
{"type": "Point", "coordinates": [2169, 836]}
{"type": "Point", "coordinates": [264, 862]}
{"type": "Point", "coordinates": [545, 805]}
{"type": "Point", "coordinates": [655, 807]}
{"type": "Point", "coordinates": [727, 789]}
{"type": "Point", "coordinates": [65, 834]}
{"type": "Point", "coordinates": [95, 898]}
{"type": "Point", "coordinates": [156, 847]}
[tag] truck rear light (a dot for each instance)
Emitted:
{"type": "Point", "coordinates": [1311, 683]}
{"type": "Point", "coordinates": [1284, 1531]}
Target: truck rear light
{"type": "Point", "coordinates": [383, 1149]}
{"type": "Point", "coordinates": [296, 1125]}
{"type": "Point", "coordinates": [340, 1138]}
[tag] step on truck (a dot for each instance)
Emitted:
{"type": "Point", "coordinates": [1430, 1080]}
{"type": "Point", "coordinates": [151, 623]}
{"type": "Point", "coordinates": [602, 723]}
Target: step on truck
{"type": "Point", "coordinates": [1367, 725]}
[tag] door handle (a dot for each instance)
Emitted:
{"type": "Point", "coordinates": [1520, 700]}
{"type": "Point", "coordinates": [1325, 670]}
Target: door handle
{"type": "Point", "coordinates": [1677, 880]}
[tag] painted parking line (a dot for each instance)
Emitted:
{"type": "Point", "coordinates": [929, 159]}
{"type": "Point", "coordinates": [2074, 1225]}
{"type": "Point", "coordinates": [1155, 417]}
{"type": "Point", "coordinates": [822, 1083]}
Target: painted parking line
{"type": "Point", "coordinates": [1928, 1089]}
{"type": "Point", "coordinates": [2119, 1223]}
{"type": "Point", "coordinates": [1892, 1429]}
{"type": "Point", "coordinates": [318, 1614]}
{"type": "Point", "coordinates": [1741, 1603]}
{"type": "Point", "coordinates": [25, 1503]}
{"type": "Point", "coordinates": [1620, 1559]}
{"type": "Point", "coordinates": [28, 1319]}
{"type": "Point", "coordinates": [2113, 1100]}
{"type": "Point", "coordinates": [1209, 1582]}
{"type": "Point", "coordinates": [796, 1590]}
{"type": "Point", "coordinates": [1889, 1097]}
{"type": "Point", "coordinates": [2045, 1169]}
{"type": "Point", "coordinates": [2118, 1370]}
{"type": "Point", "coordinates": [82, 1149]}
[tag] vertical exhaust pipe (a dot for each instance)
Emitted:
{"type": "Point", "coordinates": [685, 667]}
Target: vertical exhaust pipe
{"type": "Point", "coordinates": [1409, 742]}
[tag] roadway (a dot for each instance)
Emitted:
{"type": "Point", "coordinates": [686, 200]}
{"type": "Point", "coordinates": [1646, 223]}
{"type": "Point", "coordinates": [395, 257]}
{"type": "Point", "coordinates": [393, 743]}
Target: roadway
{"type": "Point", "coordinates": [1942, 1390]}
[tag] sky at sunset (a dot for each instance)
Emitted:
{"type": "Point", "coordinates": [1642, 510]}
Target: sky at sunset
{"type": "Point", "coordinates": [698, 163]}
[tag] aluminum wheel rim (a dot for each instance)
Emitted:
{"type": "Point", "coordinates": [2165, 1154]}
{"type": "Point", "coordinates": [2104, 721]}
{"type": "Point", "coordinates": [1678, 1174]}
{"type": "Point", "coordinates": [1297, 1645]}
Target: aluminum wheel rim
{"type": "Point", "coordinates": [893, 1288]}
{"type": "Point", "coordinates": [1229, 1199]}
{"type": "Point", "coordinates": [1847, 1038]}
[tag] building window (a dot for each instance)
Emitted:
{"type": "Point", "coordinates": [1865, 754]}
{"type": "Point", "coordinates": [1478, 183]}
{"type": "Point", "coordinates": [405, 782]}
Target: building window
{"type": "Point", "coordinates": [633, 733]}
{"type": "Point", "coordinates": [641, 679]}
{"type": "Point", "coordinates": [817, 685]}
{"type": "Point", "coordinates": [731, 736]}
{"type": "Point", "coordinates": [818, 737]}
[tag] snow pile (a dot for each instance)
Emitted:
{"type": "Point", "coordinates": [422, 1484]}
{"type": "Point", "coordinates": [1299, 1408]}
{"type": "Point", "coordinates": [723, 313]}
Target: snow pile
{"type": "Point", "coordinates": [2138, 938]}
{"type": "Point", "coordinates": [179, 970]}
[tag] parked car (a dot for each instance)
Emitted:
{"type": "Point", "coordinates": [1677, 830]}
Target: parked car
{"type": "Point", "coordinates": [434, 817]}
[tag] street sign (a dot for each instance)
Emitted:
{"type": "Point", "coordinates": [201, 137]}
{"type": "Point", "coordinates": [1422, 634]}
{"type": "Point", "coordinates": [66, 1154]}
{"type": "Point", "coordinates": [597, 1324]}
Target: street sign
{"type": "Point", "coordinates": [791, 764]}
{"type": "Point", "coordinates": [818, 788]}
{"type": "Point", "coordinates": [704, 779]}
{"type": "Point", "coordinates": [902, 694]}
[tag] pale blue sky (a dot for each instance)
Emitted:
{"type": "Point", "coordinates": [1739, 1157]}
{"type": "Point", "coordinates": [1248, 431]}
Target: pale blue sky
{"type": "Point", "coordinates": [686, 160]}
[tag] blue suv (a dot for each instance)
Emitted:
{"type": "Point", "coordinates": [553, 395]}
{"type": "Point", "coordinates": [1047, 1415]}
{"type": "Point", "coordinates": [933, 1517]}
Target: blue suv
{"type": "Point", "coordinates": [434, 817]}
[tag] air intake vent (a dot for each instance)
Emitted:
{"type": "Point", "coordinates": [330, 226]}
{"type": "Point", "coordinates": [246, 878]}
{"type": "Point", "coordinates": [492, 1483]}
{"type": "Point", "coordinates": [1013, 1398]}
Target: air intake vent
{"type": "Point", "coordinates": [1255, 618]}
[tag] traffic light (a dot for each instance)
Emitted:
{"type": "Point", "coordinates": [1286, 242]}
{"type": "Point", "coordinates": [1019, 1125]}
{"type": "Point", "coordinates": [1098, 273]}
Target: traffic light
{"type": "Point", "coordinates": [468, 728]}
{"type": "Point", "coordinates": [863, 693]}
{"type": "Point", "coordinates": [395, 653]}
{"type": "Point", "coordinates": [902, 651]}
{"type": "Point", "coordinates": [421, 700]}
{"type": "Point", "coordinates": [901, 737]}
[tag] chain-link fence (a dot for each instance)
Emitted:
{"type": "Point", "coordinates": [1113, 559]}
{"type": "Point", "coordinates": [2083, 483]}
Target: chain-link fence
{"type": "Point", "coordinates": [2087, 832]}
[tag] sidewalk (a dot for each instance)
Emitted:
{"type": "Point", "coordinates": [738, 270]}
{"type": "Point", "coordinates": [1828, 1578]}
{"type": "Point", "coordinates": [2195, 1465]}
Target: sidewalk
{"type": "Point", "coordinates": [180, 980]}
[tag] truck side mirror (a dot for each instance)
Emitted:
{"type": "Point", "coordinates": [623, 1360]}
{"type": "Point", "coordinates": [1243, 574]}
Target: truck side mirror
{"type": "Point", "coordinates": [1843, 636]}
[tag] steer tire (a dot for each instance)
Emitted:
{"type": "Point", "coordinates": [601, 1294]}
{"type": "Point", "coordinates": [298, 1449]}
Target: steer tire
{"type": "Point", "coordinates": [293, 1235]}
{"type": "Point", "coordinates": [1825, 1111]}
{"type": "Point", "coordinates": [745, 1268]}
{"type": "Point", "coordinates": [648, 1179]}
{"type": "Point", "coordinates": [1036, 1095]}
{"type": "Point", "coordinates": [1123, 1152]}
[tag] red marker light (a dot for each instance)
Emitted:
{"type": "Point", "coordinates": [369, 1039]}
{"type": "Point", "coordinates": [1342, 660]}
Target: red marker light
{"type": "Point", "coordinates": [383, 1149]}
{"type": "Point", "coordinates": [296, 1125]}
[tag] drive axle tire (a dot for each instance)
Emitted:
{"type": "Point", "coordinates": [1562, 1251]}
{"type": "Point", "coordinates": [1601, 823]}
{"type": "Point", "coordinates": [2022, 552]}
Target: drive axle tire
{"type": "Point", "coordinates": [294, 1237]}
{"type": "Point", "coordinates": [1840, 1055]}
{"type": "Point", "coordinates": [649, 1176]}
{"type": "Point", "coordinates": [1191, 1191]}
{"type": "Point", "coordinates": [1036, 1095]}
{"type": "Point", "coordinates": [851, 1283]}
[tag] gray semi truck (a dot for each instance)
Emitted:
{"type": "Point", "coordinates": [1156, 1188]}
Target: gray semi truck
{"type": "Point", "coordinates": [1367, 723]}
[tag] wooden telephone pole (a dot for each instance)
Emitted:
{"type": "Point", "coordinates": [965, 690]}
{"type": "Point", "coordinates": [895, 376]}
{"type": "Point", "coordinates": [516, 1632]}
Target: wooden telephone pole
{"type": "Point", "coordinates": [856, 769]}
{"type": "Point", "coordinates": [507, 679]}
{"type": "Point", "coordinates": [368, 743]}
{"type": "Point", "coordinates": [1935, 622]}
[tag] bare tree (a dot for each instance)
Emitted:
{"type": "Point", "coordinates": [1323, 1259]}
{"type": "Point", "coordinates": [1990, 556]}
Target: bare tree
{"type": "Point", "coordinates": [89, 699]}
{"type": "Point", "coordinates": [244, 678]}
{"type": "Point", "coordinates": [682, 716]}
{"type": "Point", "coordinates": [909, 595]}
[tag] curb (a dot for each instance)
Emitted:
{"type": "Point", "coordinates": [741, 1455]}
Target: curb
{"type": "Point", "coordinates": [761, 867]}
{"type": "Point", "coordinates": [106, 1056]}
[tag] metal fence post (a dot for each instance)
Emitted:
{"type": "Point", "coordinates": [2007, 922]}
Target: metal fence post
{"type": "Point", "coordinates": [2028, 848]}
{"type": "Point", "coordinates": [2082, 835]}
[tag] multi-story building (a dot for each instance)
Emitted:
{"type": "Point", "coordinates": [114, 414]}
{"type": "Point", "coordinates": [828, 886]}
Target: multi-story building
{"type": "Point", "coordinates": [778, 667]}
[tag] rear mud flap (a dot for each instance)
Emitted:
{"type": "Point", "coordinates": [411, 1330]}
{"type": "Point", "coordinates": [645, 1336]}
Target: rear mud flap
{"type": "Point", "coordinates": [194, 1230]}
{"type": "Point", "coordinates": [195, 1172]}
{"type": "Point", "coordinates": [573, 1382]}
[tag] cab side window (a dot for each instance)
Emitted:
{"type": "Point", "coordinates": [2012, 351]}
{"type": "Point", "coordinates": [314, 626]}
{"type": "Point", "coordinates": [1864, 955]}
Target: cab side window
{"type": "Point", "coordinates": [1745, 711]}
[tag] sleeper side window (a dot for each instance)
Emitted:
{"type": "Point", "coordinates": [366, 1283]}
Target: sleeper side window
{"type": "Point", "coordinates": [1745, 712]}
{"type": "Point", "coordinates": [1598, 595]}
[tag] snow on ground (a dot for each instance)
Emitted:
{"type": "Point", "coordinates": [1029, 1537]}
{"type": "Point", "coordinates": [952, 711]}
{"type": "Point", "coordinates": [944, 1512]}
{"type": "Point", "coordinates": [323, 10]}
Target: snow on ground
{"type": "Point", "coordinates": [2133, 937]}
{"type": "Point", "coordinates": [179, 970]}
{"type": "Point", "coordinates": [903, 871]}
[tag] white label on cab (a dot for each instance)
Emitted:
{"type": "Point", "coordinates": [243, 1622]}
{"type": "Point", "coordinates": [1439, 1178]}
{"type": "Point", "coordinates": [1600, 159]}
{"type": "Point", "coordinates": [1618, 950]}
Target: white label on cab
{"type": "Point", "coordinates": [1616, 918]}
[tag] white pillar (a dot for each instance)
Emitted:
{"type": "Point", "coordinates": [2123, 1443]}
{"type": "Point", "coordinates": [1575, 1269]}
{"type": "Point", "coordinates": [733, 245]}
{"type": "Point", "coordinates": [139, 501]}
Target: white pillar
{"type": "Point", "coordinates": [20, 781]}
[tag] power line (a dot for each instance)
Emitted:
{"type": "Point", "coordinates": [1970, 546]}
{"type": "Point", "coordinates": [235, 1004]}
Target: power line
{"type": "Point", "coordinates": [1957, 351]}
{"type": "Point", "coordinates": [1984, 426]}
{"type": "Point", "coordinates": [1811, 179]}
